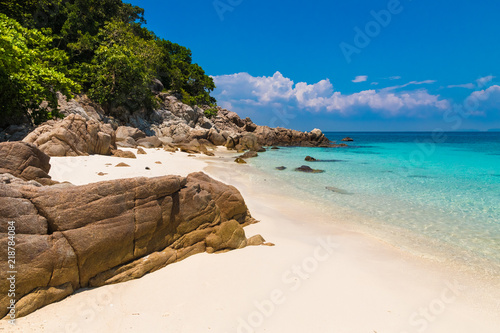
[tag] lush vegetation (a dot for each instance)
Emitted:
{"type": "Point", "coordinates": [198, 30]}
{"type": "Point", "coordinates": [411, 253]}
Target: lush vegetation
{"type": "Point", "coordinates": [97, 47]}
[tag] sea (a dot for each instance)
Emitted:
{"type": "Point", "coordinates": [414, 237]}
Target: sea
{"type": "Point", "coordinates": [436, 194]}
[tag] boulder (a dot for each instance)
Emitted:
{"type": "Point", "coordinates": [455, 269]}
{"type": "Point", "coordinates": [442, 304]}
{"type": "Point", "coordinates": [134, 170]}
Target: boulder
{"type": "Point", "coordinates": [123, 154]}
{"type": "Point", "coordinates": [249, 154]}
{"type": "Point", "coordinates": [125, 132]}
{"type": "Point", "coordinates": [216, 138]}
{"type": "Point", "coordinates": [141, 151]}
{"type": "Point", "coordinates": [249, 141]}
{"type": "Point", "coordinates": [348, 139]}
{"type": "Point", "coordinates": [150, 142]}
{"type": "Point", "coordinates": [307, 169]}
{"type": "Point", "coordinates": [73, 136]}
{"type": "Point", "coordinates": [107, 232]}
{"type": "Point", "coordinates": [240, 161]}
{"type": "Point", "coordinates": [310, 159]}
{"type": "Point", "coordinates": [24, 160]}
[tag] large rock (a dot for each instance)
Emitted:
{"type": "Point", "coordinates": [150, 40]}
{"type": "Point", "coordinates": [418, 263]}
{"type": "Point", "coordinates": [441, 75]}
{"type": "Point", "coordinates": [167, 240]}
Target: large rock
{"type": "Point", "coordinates": [125, 132]}
{"type": "Point", "coordinates": [25, 161]}
{"type": "Point", "coordinates": [78, 236]}
{"type": "Point", "coordinates": [73, 136]}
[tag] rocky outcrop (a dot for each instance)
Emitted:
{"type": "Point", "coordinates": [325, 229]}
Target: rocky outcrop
{"type": "Point", "coordinates": [347, 139]}
{"type": "Point", "coordinates": [69, 237]}
{"type": "Point", "coordinates": [25, 161]}
{"type": "Point", "coordinates": [73, 136]}
{"type": "Point", "coordinates": [172, 123]}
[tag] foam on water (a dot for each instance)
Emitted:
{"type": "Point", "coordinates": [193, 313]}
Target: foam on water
{"type": "Point", "coordinates": [408, 188]}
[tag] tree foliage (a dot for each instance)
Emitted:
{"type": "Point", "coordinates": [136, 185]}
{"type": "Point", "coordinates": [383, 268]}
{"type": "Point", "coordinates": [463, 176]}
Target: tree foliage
{"type": "Point", "coordinates": [30, 73]}
{"type": "Point", "coordinates": [98, 45]}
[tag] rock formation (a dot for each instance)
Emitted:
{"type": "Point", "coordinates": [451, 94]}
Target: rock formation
{"type": "Point", "coordinates": [69, 237]}
{"type": "Point", "coordinates": [73, 136]}
{"type": "Point", "coordinates": [172, 123]}
{"type": "Point", "coordinates": [25, 161]}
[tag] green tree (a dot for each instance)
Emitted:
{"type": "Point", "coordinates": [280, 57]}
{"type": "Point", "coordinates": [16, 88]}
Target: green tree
{"type": "Point", "coordinates": [178, 73]}
{"type": "Point", "coordinates": [30, 73]}
{"type": "Point", "coordinates": [123, 68]}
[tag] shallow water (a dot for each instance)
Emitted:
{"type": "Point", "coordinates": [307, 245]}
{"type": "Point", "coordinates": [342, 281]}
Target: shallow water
{"type": "Point", "coordinates": [412, 188]}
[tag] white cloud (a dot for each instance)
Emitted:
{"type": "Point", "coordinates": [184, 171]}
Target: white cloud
{"type": "Point", "coordinates": [466, 85]}
{"type": "Point", "coordinates": [484, 101]}
{"type": "Point", "coordinates": [409, 84]}
{"type": "Point", "coordinates": [244, 90]}
{"type": "Point", "coordinates": [484, 80]}
{"type": "Point", "coordinates": [397, 77]}
{"type": "Point", "coordinates": [360, 78]}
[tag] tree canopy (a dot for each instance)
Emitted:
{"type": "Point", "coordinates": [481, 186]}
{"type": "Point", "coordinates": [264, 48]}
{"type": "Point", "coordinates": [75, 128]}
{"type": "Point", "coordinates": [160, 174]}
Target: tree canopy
{"type": "Point", "coordinates": [97, 47]}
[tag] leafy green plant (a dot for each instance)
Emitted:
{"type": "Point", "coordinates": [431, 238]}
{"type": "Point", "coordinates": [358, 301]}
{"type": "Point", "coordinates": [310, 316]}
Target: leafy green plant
{"type": "Point", "coordinates": [210, 113]}
{"type": "Point", "coordinates": [30, 73]}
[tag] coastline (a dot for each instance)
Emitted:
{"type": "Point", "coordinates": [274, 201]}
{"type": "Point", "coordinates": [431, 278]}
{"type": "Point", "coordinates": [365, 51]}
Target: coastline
{"type": "Point", "coordinates": [319, 276]}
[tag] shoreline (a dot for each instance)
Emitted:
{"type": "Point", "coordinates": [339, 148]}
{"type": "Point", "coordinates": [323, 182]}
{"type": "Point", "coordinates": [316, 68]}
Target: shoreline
{"type": "Point", "coordinates": [345, 281]}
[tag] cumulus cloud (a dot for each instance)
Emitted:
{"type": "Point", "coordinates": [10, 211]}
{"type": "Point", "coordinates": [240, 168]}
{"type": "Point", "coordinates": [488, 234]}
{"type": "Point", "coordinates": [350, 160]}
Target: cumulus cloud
{"type": "Point", "coordinates": [484, 102]}
{"type": "Point", "coordinates": [243, 90]}
{"type": "Point", "coordinates": [360, 78]}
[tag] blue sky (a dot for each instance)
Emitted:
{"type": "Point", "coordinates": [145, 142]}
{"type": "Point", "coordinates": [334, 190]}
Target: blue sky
{"type": "Point", "coordinates": [345, 65]}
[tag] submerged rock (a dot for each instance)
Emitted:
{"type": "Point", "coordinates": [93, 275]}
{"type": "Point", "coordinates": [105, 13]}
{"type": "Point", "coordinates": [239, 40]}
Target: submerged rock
{"type": "Point", "coordinates": [310, 159]}
{"type": "Point", "coordinates": [337, 190]}
{"type": "Point", "coordinates": [280, 168]}
{"type": "Point", "coordinates": [308, 169]}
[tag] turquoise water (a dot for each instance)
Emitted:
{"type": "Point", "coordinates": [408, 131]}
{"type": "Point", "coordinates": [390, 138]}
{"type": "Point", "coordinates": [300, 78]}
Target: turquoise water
{"type": "Point", "coordinates": [412, 187]}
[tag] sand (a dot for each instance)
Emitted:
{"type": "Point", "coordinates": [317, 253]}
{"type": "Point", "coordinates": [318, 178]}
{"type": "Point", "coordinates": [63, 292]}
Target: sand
{"type": "Point", "coordinates": [318, 278]}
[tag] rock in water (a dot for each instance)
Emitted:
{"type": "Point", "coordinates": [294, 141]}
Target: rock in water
{"type": "Point", "coordinates": [281, 168]}
{"type": "Point", "coordinates": [310, 159]}
{"type": "Point", "coordinates": [347, 139]}
{"type": "Point", "coordinates": [249, 154]}
{"type": "Point", "coordinates": [305, 168]}
{"type": "Point", "coordinates": [337, 190]}
{"type": "Point", "coordinates": [240, 161]}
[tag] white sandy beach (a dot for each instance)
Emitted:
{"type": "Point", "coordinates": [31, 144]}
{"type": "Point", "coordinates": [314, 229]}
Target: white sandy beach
{"type": "Point", "coordinates": [318, 278]}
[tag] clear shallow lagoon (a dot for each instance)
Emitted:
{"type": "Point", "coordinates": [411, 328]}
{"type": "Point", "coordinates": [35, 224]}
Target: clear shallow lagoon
{"type": "Point", "coordinates": [445, 194]}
